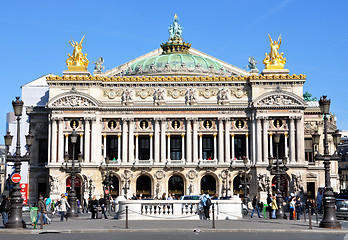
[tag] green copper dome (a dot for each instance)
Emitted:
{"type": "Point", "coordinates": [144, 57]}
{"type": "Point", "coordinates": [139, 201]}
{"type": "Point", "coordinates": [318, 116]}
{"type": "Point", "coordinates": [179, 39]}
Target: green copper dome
{"type": "Point", "coordinates": [175, 61]}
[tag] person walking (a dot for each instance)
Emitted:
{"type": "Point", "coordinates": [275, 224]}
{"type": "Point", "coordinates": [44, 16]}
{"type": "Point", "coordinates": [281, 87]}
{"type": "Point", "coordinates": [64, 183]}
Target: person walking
{"type": "Point", "coordinates": [255, 204]}
{"type": "Point", "coordinates": [102, 203]}
{"type": "Point", "coordinates": [4, 209]}
{"type": "Point", "coordinates": [206, 202]}
{"type": "Point", "coordinates": [269, 203]}
{"type": "Point", "coordinates": [41, 213]}
{"type": "Point", "coordinates": [94, 206]}
{"type": "Point", "coordinates": [63, 207]}
{"type": "Point", "coordinates": [274, 207]}
{"type": "Point", "coordinates": [298, 207]}
{"type": "Point", "coordinates": [292, 208]}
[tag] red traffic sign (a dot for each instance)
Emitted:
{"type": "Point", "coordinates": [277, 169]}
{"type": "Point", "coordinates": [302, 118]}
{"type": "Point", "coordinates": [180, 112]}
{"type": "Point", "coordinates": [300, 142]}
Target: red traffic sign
{"type": "Point", "coordinates": [16, 178]}
{"type": "Point", "coordinates": [106, 191]}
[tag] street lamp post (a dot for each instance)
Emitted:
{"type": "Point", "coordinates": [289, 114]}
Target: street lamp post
{"type": "Point", "coordinates": [329, 218]}
{"type": "Point", "coordinates": [90, 188]}
{"type": "Point", "coordinates": [278, 170]}
{"type": "Point", "coordinates": [107, 185]}
{"type": "Point", "coordinates": [73, 170]}
{"type": "Point", "coordinates": [245, 182]}
{"type": "Point", "coordinates": [16, 214]}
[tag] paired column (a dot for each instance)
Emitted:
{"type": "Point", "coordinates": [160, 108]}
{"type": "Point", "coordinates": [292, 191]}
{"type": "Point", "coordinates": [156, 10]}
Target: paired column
{"type": "Point", "coordinates": [87, 140]}
{"type": "Point", "coordinates": [265, 139]}
{"type": "Point", "coordinates": [54, 141]}
{"type": "Point", "coordinates": [96, 141]}
{"type": "Point", "coordinates": [60, 140]}
{"type": "Point", "coordinates": [157, 141]}
{"type": "Point", "coordinates": [227, 140]}
{"type": "Point", "coordinates": [259, 141]}
{"type": "Point", "coordinates": [195, 148]}
{"type": "Point", "coordinates": [188, 141]}
{"type": "Point", "coordinates": [221, 140]}
{"type": "Point", "coordinates": [292, 140]}
{"type": "Point", "coordinates": [124, 140]}
{"type": "Point", "coordinates": [163, 140]}
{"type": "Point", "coordinates": [131, 141]}
{"type": "Point", "coordinates": [300, 139]}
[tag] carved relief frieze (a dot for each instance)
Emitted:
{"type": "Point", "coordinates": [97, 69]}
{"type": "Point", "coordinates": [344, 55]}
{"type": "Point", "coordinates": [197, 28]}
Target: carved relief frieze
{"type": "Point", "coordinates": [279, 100]}
{"type": "Point", "coordinates": [239, 93]}
{"type": "Point", "coordinates": [207, 93]}
{"type": "Point", "coordinates": [111, 94]}
{"type": "Point", "coordinates": [176, 93]}
{"type": "Point", "coordinates": [73, 101]}
{"type": "Point", "coordinates": [143, 93]}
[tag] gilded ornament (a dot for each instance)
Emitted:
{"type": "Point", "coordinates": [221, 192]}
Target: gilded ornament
{"type": "Point", "coordinates": [274, 60]}
{"type": "Point", "coordinates": [77, 61]}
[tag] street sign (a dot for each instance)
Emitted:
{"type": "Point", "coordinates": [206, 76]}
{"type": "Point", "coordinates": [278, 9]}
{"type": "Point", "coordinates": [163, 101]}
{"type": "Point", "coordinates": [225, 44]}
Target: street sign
{"type": "Point", "coordinates": [16, 178]}
{"type": "Point", "coordinates": [106, 191]}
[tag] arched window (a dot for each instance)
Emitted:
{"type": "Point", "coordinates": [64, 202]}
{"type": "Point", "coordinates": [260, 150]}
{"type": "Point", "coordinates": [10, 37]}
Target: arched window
{"type": "Point", "coordinates": [208, 184]}
{"type": "Point", "coordinates": [176, 186]}
{"type": "Point", "coordinates": [144, 187]}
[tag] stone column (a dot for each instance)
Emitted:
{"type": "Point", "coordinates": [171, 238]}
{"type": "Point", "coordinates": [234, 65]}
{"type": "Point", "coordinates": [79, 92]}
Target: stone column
{"type": "Point", "coordinates": [60, 140]}
{"type": "Point", "coordinates": [168, 149]}
{"type": "Point", "coordinates": [253, 138]}
{"type": "Point", "coordinates": [188, 141]}
{"type": "Point", "coordinates": [259, 141]}
{"type": "Point", "coordinates": [221, 141]}
{"type": "Point", "coordinates": [300, 140]}
{"type": "Point", "coordinates": [182, 146]}
{"type": "Point", "coordinates": [87, 140]}
{"type": "Point", "coordinates": [136, 147]}
{"type": "Point", "coordinates": [227, 140]}
{"type": "Point", "coordinates": [214, 146]}
{"type": "Point", "coordinates": [286, 144]}
{"type": "Point", "coordinates": [119, 147]}
{"type": "Point", "coordinates": [232, 145]}
{"type": "Point", "coordinates": [292, 140]}
{"type": "Point", "coordinates": [247, 145]}
{"type": "Point", "coordinates": [104, 146]}
{"type": "Point", "coordinates": [157, 141]}
{"type": "Point", "coordinates": [124, 141]}
{"type": "Point", "coordinates": [163, 140]}
{"type": "Point", "coordinates": [195, 142]}
{"type": "Point", "coordinates": [96, 140]}
{"type": "Point", "coordinates": [270, 145]}
{"type": "Point", "coordinates": [200, 147]}
{"type": "Point", "coordinates": [151, 146]}
{"type": "Point", "coordinates": [66, 136]}
{"type": "Point", "coordinates": [131, 141]}
{"type": "Point", "coordinates": [265, 139]}
{"type": "Point", "coordinates": [81, 146]}
{"type": "Point", "coordinates": [54, 141]}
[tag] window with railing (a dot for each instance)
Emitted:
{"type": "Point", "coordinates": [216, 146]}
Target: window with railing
{"type": "Point", "coordinates": [208, 147]}
{"type": "Point", "coordinates": [175, 147]}
{"type": "Point", "coordinates": [309, 150]}
{"type": "Point", "coordinates": [112, 147]}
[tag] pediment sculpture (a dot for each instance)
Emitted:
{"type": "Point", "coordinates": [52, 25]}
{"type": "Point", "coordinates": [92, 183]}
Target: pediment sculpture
{"type": "Point", "coordinates": [279, 100]}
{"type": "Point", "coordinates": [73, 101]}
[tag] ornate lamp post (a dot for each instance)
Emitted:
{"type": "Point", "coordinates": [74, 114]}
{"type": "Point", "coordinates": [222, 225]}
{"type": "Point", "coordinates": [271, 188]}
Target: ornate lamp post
{"type": "Point", "coordinates": [245, 182]}
{"type": "Point", "coordinates": [107, 183]}
{"type": "Point", "coordinates": [90, 188]}
{"type": "Point", "coordinates": [16, 214]}
{"type": "Point", "coordinates": [73, 170]}
{"type": "Point", "coordinates": [329, 218]}
{"type": "Point", "coordinates": [126, 186]}
{"type": "Point", "coordinates": [278, 169]}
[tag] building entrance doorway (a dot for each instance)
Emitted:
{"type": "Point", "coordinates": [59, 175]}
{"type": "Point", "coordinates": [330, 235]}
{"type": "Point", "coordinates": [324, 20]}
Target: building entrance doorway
{"type": "Point", "coordinates": [283, 185]}
{"type": "Point", "coordinates": [114, 187]}
{"type": "Point", "coordinates": [311, 190]}
{"type": "Point", "coordinates": [144, 187]}
{"type": "Point", "coordinates": [238, 187]}
{"type": "Point", "coordinates": [176, 186]}
{"type": "Point", "coordinates": [208, 184]}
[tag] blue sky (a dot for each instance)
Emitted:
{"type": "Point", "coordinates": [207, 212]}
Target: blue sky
{"type": "Point", "coordinates": [35, 38]}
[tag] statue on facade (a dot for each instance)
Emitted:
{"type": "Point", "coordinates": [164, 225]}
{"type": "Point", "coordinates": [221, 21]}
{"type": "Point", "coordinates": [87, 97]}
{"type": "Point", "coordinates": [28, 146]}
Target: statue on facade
{"type": "Point", "coordinates": [261, 180]}
{"type": "Point", "coordinates": [274, 60]}
{"type": "Point", "coordinates": [252, 63]}
{"type": "Point", "coordinates": [159, 94]}
{"type": "Point", "coordinates": [77, 61]}
{"type": "Point", "coordinates": [307, 97]}
{"type": "Point", "coordinates": [98, 64]}
{"type": "Point", "coordinates": [222, 94]}
{"type": "Point", "coordinates": [127, 95]}
{"type": "Point", "coordinates": [175, 30]}
{"type": "Point", "coordinates": [297, 182]}
{"type": "Point", "coordinates": [191, 95]}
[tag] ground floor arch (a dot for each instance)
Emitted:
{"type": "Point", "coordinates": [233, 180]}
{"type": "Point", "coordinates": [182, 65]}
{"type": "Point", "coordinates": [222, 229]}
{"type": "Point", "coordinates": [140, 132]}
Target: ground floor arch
{"type": "Point", "coordinates": [208, 184]}
{"type": "Point", "coordinates": [176, 186]}
{"type": "Point", "coordinates": [115, 186]}
{"type": "Point", "coordinates": [78, 188]}
{"type": "Point", "coordinates": [284, 185]}
{"type": "Point", "coordinates": [143, 187]}
{"type": "Point", "coordinates": [238, 186]}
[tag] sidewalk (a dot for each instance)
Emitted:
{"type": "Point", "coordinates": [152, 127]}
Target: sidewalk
{"type": "Point", "coordinates": [86, 225]}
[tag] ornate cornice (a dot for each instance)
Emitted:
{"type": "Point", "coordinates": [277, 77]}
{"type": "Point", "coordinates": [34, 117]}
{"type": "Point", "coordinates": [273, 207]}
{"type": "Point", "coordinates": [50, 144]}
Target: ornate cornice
{"type": "Point", "coordinates": [52, 78]}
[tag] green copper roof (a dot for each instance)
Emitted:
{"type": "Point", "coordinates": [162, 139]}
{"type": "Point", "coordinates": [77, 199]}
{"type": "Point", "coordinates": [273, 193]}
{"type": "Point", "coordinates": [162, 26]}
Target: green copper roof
{"type": "Point", "coordinates": [175, 61]}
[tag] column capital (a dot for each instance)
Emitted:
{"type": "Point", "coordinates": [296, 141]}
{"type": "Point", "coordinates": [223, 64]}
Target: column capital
{"type": "Point", "coordinates": [200, 134]}
{"type": "Point", "coordinates": [104, 135]}
{"type": "Point", "coordinates": [298, 117]}
{"type": "Point", "coordinates": [119, 135]}
{"type": "Point", "coordinates": [66, 134]}
{"type": "Point", "coordinates": [292, 118]}
{"type": "Point", "coordinates": [214, 134]}
{"type": "Point", "coordinates": [151, 135]}
{"type": "Point", "coordinates": [157, 119]}
{"type": "Point", "coordinates": [168, 134]}
{"type": "Point", "coordinates": [246, 134]}
{"type": "Point", "coordinates": [270, 134]}
{"type": "Point", "coordinates": [232, 134]}
{"type": "Point", "coordinates": [136, 135]}
{"type": "Point", "coordinates": [81, 134]}
{"type": "Point", "coordinates": [183, 134]}
{"type": "Point", "coordinates": [286, 134]}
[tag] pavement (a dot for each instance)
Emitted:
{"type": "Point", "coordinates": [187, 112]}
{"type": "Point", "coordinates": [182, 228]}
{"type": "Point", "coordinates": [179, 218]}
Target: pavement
{"type": "Point", "coordinates": [84, 224]}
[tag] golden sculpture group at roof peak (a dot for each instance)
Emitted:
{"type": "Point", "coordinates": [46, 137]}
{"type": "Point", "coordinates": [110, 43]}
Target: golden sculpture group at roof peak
{"type": "Point", "coordinates": [274, 60]}
{"type": "Point", "coordinates": [77, 61]}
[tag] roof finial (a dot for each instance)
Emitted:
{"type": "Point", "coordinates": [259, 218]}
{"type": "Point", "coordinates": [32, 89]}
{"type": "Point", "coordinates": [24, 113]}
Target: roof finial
{"type": "Point", "coordinates": [175, 16]}
{"type": "Point", "coordinates": [175, 31]}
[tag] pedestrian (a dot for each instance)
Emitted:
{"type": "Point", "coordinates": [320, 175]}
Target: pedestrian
{"type": "Point", "coordinates": [63, 207]}
{"type": "Point", "coordinates": [102, 203]}
{"type": "Point", "coordinates": [94, 206]}
{"type": "Point", "coordinates": [134, 197]}
{"type": "Point", "coordinates": [41, 212]}
{"type": "Point", "coordinates": [292, 208]}
{"type": "Point", "coordinates": [269, 207]}
{"type": "Point", "coordinates": [298, 207]}
{"type": "Point", "coordinates": [206, 202]}
{"type": "Point", "coordinates": [164, 196]}
{"type": "Point", "coordinates": [5, 209]}
{"type": "Point", "coordinates": [274, 207]}
{"type": "Point", "coordinates": [255, 204]}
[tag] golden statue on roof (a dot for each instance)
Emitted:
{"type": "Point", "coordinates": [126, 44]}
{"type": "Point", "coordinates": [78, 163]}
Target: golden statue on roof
{"type": "Point", "coordinates": [77, 61]}
{"type": "Point", "coordinates": [274, 60]}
